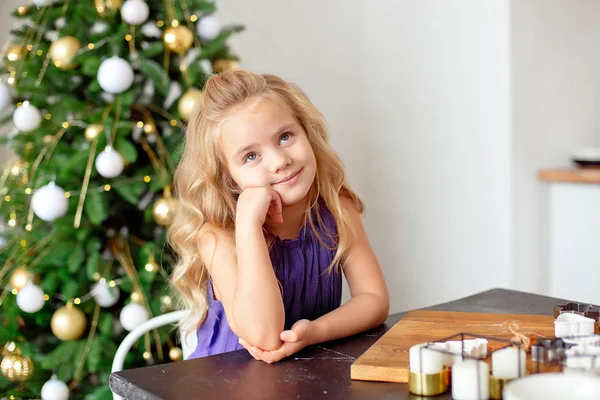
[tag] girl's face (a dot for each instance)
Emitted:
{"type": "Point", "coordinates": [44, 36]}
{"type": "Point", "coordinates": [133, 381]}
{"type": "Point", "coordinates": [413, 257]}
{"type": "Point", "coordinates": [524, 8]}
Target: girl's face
{"type": "Point", "coordinates": [263, 145]}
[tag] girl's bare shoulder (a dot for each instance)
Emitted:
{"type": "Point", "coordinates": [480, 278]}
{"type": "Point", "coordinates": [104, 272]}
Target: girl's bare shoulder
{"type": "Point", "coordinates": [212, 238]}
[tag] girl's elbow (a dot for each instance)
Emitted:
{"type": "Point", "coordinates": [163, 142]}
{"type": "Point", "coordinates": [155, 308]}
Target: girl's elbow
{"type": "Point", "coordinates": [384, 309]}
{"type": "Point", "coordinates": [266, 341]}
{"type": "Point", "coordinates": [270, 343]}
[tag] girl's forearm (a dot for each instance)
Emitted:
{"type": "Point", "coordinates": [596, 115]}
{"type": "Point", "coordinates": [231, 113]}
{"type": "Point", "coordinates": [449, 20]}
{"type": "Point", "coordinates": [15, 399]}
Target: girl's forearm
{"type": "Point", "coordinates": [258, 311]}
{"type": "Point", "coordinates": [362, 312]}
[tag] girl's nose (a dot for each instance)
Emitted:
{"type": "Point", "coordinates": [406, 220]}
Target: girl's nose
{"type": "Point", "coordinates": [279, 160]}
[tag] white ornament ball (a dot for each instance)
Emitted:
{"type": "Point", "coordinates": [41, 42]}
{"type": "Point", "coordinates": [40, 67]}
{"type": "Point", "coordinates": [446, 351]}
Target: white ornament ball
{"type": "Point", "coordinates": [42, 3]}
{"type": "Point", "coordinates": [55, 389]}
{"type": "Point", "coordinates": [151, 30]}
{"type": "Point", "coordinates": [208, 28]}
{"type": "Point", "coordinates": [60, 23]}
{"type": "Point", "coordinates": [49, 202]}
{"type": "Point", "coordinates": [99, 27]}
{"type": "Point", "coordinates": [109, 163]}
{"type": "Point", "coordinates": [206, 66]}
{"type": "Point", "coordinates": [115, 75]}
{"type": "Point", "coordinates": [31, 298]}
{"type": "Point", "coordinates": [135, 12]}
{"type": "Point", "coordinates": [105, 295]}
{"type": "Point", "coordinates": [27, 118]}
{"type": "Point", "coordinates": [5, 96]}
{"type": "Point", "coordinates": [133, 315]}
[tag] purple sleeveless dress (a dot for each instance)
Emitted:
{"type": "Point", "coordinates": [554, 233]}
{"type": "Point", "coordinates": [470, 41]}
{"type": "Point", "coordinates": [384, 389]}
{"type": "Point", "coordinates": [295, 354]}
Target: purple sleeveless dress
{"type": "Point", "coordinates": [309, 290]}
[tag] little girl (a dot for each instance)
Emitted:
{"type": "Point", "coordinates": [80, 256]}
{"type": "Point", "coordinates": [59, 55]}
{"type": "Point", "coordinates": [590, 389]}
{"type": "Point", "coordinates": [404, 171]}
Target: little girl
{"type": "Point", "coordinates": [267, 223]}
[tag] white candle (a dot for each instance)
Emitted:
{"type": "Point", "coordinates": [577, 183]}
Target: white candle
{"type": "Point", "coordinates": [467, 377]}
{"type": "Point", "coordinates": [508, 363]}
{"type": "Point", "coordinates": [425, 361]}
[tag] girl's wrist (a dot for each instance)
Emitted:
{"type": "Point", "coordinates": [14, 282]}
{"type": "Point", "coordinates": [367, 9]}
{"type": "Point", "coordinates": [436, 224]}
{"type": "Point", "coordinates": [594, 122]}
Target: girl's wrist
{"type": "Point", "coordinates": [247, 224]}
{"type": "Point", "coordinates": [315, 334]}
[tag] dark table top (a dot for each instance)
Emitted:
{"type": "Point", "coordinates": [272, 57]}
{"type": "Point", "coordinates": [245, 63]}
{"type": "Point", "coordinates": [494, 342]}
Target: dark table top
{"type": "Point", "coordinates": [321, 371]}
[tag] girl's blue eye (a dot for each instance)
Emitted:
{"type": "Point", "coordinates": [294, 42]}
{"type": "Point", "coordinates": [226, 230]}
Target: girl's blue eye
{"type": "Point", "coordinates": [250, 157]}
{"type": "Point", "coordinates": [285, 137]}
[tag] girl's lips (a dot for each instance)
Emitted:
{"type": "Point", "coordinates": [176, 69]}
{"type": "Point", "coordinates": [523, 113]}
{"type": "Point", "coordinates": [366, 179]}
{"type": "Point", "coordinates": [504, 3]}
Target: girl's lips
{"type": "Point", "coordinates": [290, 179]}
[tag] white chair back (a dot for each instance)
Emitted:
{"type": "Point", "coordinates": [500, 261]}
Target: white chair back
{"type": "Point", "coordinates": [188, 343]}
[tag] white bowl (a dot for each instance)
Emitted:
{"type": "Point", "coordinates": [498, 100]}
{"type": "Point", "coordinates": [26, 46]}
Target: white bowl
{"type": "Point", "coordinates": [568, 324]}
{"type": "Point", "coordinates": [554, 386]}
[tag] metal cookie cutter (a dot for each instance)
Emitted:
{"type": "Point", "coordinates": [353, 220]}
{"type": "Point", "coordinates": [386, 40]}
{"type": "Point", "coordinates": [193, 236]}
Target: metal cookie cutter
{"type": "Point", "coordinates": [549, 351]}
{"type": "Point", "coordinates": [587, 310]}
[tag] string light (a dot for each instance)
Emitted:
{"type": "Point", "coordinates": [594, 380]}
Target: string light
{"type": "Point", "coordinates": [12, 222]}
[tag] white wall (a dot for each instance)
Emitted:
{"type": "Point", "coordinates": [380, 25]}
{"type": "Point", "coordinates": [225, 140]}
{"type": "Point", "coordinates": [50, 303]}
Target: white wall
{"type": "Point", "coordinates": [417, 95]}
{"type": "Point", "coordinates": [6, 20]}
{"type": "Point", "coordinates": [438, 105]}
{"type": "Point", "coordinates": [556, 110]}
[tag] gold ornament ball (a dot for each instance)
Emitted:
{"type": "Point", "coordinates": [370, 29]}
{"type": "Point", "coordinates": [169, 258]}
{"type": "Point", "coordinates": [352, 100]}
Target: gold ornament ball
{"type": "Point", "coordinates": [93, 131]}
{"type": "Point", "coordinates": [175, 354]}
{"type": "Point", "coordinates": [164, 210]}
{"type": "Point", "coordinates": [189, 103]}
{"type": "Point", "coordinates": [224, 64]}
{"type": "Point", "coordinates": [178, 38]}
{"type": "Point", "coordinates": [68, 323]}
{"type": "Point", "coordinates": [22, 10]}
{"type": "Point", "coordinates": [63, 50]}
{"type": "Point", "coordinates": [107, 8]}
{"type": "Point", "coordinates": [15, 53]}
{"type": "Point", "coordinates": [20, 277]}
{"type": "Point", "coordinates": [15, 367]}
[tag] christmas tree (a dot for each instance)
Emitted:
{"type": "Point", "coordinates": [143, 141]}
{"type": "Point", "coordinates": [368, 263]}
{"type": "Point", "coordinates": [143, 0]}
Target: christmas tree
{"type": "Point", "coordinates": [99, 92]}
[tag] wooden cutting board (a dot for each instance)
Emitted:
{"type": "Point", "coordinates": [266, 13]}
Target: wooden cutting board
{"type": "Point", "coordinates": [387, 359]}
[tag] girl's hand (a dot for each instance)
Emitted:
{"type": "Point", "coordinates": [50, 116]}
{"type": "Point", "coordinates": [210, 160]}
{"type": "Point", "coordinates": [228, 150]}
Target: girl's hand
{"type": "Point", "coordinates": [258, 202]}
{"type": "Point", "coordinates": [294, 340]}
